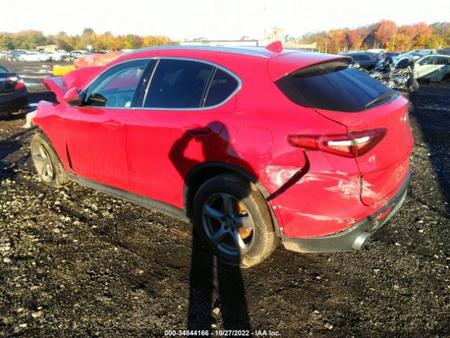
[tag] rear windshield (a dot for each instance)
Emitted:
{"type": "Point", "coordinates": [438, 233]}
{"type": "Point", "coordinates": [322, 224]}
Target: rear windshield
{"type": "Point", "coordinates": [334, 86]}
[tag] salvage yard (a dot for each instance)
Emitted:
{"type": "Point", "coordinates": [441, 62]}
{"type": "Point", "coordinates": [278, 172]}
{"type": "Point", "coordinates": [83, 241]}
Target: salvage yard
{"type": "Point", "coordinates": [74, 262]}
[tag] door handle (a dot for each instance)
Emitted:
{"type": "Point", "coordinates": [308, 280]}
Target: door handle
{"type": "Point", "coordinates": [198, 131]}
{"type": "Point", "coordinates": [113, 124]}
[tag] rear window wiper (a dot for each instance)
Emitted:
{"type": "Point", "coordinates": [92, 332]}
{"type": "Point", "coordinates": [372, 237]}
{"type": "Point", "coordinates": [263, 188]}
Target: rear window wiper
{"type": "Point", "coordinates": [379, 99]}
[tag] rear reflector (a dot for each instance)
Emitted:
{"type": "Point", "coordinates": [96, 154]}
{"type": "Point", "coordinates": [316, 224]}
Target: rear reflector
{"type": "Point", "coordinates": [349, 145]}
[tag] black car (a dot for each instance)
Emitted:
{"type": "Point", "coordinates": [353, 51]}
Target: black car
{"type": "Point", "coordinates": [13, 92]}
{"type": "Point", "coordinates": [365, 60]}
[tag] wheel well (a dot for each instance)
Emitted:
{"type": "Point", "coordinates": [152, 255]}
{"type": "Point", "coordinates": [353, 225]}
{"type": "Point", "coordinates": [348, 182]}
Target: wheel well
{"type": "Point", "coordinates": [201, 174]}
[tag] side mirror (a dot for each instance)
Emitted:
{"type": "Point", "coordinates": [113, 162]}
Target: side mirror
{"type": "Point", "coordinates": [72, 97]}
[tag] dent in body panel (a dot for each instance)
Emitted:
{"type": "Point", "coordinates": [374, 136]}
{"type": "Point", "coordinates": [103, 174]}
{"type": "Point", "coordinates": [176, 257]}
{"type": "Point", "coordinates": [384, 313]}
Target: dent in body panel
{"type": "Point", "coordinates": [49, 122]}
{"type": "Point", "coordinates": [320, 203]}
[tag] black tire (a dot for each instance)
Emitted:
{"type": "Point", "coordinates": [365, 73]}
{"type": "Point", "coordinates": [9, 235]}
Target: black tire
{"type": "Point", "coordinates": [257, 237]}
{"type": "Point", "coordinates": [46, 163]}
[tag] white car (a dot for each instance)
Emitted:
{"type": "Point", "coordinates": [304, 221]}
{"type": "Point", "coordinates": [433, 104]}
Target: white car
{"type": "Point", "coordinates": [58, 55]}
{"type": "Point", "coordinates": [33, 56]}
{"type": "Point", "coordinates": [433, 67]}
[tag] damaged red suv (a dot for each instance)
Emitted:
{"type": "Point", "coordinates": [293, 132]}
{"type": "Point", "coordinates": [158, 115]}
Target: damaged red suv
{"type": "Point", "coordinates": [252, 145]}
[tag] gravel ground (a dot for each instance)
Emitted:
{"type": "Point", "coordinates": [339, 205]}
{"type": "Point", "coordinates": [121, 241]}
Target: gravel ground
{"type": "Point", "coordinates": [78, 263]}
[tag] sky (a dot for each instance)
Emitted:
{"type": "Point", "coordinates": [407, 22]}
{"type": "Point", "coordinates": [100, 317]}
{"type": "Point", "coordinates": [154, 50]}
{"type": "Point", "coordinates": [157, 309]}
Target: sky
{"type": "Point", "coordinates": [212, 19]}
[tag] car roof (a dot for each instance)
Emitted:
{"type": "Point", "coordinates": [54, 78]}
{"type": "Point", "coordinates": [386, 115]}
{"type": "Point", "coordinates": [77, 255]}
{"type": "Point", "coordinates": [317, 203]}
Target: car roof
{"type": "Point", "coordinates": [261, 52]}
{"type": "Point", "coordinates": [280, 62]}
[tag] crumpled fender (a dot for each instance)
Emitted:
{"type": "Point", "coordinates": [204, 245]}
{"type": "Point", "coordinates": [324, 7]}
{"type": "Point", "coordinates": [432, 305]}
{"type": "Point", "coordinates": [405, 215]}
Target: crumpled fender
{"type": "Point", "coordinates": [78, 78]}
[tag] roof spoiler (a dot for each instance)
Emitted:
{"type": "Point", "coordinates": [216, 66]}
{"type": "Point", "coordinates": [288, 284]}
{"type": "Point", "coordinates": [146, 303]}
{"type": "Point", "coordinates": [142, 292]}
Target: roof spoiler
{"type": "Point", "coordinates": [329, 66]}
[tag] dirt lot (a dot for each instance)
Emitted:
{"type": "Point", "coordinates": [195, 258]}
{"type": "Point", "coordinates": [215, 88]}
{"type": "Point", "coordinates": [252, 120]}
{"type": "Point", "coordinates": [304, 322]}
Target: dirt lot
{"type": "Point", "coordinates": [74, 262]}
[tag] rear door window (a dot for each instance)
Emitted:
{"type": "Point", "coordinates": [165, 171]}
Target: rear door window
{"type": "Point", "coordinates": [179, 84]}
{"type": "Point", "coordinates": [222, 86]}
{"type": "Point", "coordinates": [442, 60]}
{"type": "Point", "coordinates": [333, 86]}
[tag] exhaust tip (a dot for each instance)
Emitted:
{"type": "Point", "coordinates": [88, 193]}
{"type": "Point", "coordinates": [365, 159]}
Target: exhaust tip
{"type": "Point", "coordinates": [360, 241]}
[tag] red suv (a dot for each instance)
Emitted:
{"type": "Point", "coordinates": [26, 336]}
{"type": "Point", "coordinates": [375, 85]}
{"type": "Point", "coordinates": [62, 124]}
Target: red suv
{"type": "Point", "coordinates": [253, 145]}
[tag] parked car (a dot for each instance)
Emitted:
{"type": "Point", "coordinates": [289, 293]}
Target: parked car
{"type": "Point", "coordinates": [412, 55]}
{"type": "Point", "coordinates": [443, 51]}
{"type": "Point", "coordinates": [433, 68]}
{"type": "Point", "coordinates": [30, 56]}
{"type": "Point", "coordinates": [58, 55]}
{"type": "Point", "coordinates": [389, 55]}
{"type": "Point", "coordinates": [365, 60]}
{"type": "Point", "coordinates": [15, 54]}
{"type": "Point", "coordinates": [75, 54]}
{"type": "Point", "coordinates": [13, 92]}
{"type": "Point", "coordinates": [253, 145]}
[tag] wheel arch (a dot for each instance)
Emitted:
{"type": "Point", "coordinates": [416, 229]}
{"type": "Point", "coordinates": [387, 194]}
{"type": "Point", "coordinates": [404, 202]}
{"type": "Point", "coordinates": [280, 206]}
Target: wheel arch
{"type": "Point", "coordinates": [203, 172]}
{"type": "Point", "coordinates": [42, 133]}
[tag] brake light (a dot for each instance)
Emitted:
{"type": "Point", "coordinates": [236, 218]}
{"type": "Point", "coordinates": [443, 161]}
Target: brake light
{"type": "Point", "coordinates": [349, 145]}
{"type": "Point", "coordinates": [20, 84]}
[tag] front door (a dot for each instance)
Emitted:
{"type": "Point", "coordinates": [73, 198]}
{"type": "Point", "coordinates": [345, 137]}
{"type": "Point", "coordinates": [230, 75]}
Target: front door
{"type": "Point", "coordinates": [96, 132]}
{"type": "Point", "coordinates": [425, 67]}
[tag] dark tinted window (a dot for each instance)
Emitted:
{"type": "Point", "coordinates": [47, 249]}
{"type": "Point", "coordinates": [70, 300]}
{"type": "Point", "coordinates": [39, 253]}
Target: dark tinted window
{"type": "Point", "coordinates": [222, 86]}
{"type": "Point", "coordinates": [333, 87]}
{"type": "Point", "coordinates": [441, 60]}
{"type": "Point", "coordinates": [178, 84]}
{"type": "Point", "coordinates": [117, 86]}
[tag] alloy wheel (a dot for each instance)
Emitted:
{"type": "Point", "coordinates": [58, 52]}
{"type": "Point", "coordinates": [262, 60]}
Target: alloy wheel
{"type": "Point", "coordinates": [228, 224]}
{"type": "Point", "coordinates": [42, 162]}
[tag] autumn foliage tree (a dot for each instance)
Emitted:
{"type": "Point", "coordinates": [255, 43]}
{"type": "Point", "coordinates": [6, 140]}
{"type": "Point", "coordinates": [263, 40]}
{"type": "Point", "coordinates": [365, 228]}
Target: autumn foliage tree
{"type": "Point", "coordinates": [87, 39]}
{"type": "Point", "coordinates": [384, 34]}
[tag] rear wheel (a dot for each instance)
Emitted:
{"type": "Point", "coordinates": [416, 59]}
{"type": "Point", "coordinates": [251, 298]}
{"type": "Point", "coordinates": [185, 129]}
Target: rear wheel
{"type": "Point", "coordinates": [46, 162]}
{"type": "Point", "coordinates": [231, 215]}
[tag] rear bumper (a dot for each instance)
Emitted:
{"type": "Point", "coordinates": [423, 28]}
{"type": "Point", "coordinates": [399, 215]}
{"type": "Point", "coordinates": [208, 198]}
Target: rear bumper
{"type": "Point", "coordinates": [355, 237]}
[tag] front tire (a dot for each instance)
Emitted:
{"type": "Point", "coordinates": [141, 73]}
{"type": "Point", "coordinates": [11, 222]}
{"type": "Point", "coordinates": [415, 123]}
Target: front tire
{"type": "Point", "coordinates": [46, 162]}
{"type": "Point", "coordinates": [232, 216]}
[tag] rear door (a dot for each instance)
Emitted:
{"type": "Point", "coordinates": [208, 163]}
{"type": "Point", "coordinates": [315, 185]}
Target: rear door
{"type": "Point", "coordinates": [95, 131]}
{"type": "Point", "coordinates": [442, 67]}
{"type": "Point", "coordinates": [181, 125]}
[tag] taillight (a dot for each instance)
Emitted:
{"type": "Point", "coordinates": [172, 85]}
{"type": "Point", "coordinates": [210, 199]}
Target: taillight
{"type": "Point", "coordinates": [19, 82]}
{"type": "Point", "coordinates": [349, 145]}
